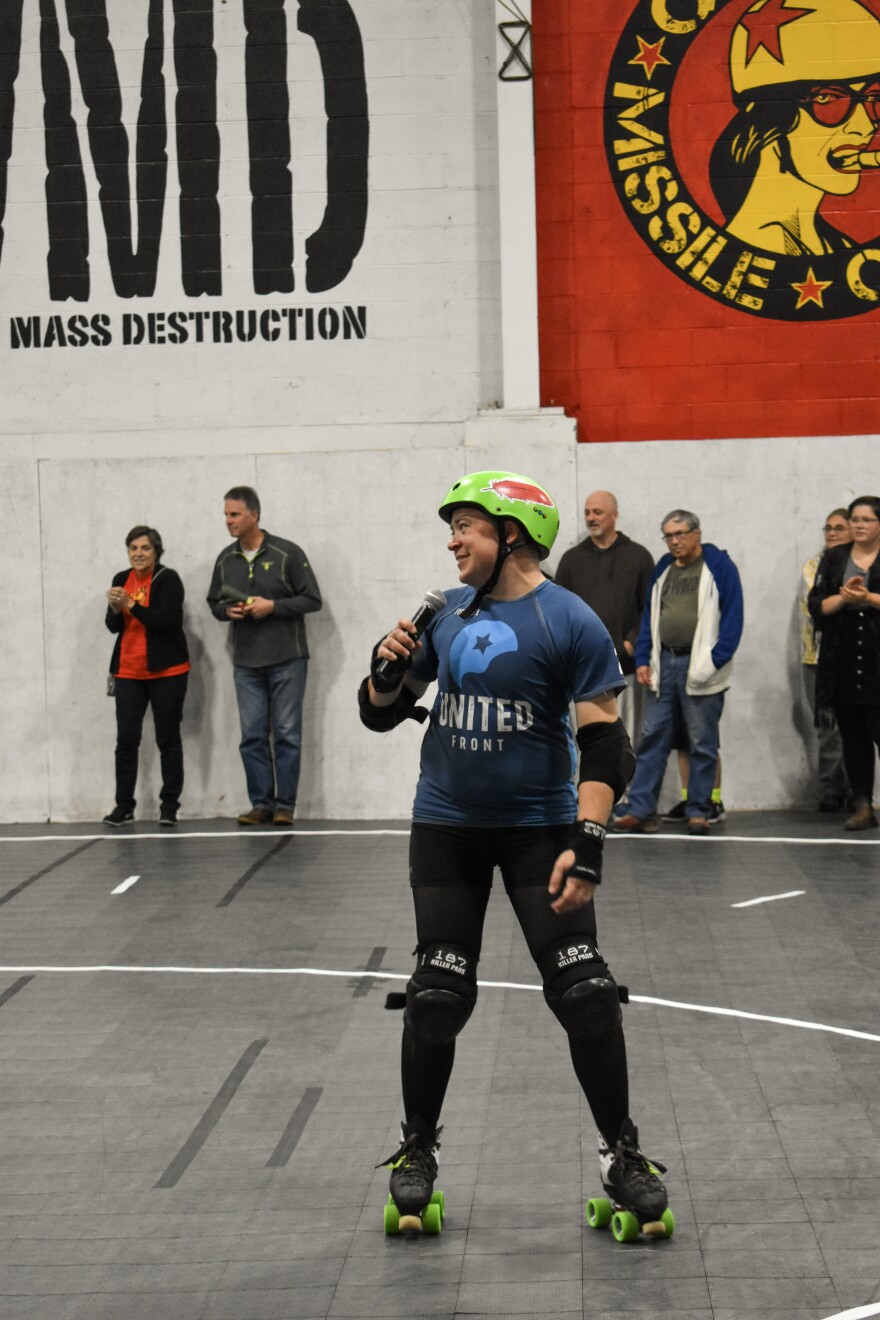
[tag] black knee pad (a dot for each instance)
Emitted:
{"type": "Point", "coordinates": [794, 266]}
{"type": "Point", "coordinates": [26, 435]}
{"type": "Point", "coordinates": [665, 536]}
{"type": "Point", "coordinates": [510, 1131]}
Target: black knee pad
{"type": "Point", "coordinates": [441, 993]}
{"type": "Point", "coordinates": [580, 989]}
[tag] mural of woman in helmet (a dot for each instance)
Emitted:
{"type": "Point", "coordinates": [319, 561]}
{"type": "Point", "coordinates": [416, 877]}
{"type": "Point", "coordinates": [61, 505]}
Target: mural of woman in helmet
{"type": "Point", "coordinates": [806, 84]}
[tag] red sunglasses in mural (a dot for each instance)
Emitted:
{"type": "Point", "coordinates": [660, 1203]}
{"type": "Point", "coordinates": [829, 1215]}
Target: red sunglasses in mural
{"type": "Point", "coordinates": [832, 104]}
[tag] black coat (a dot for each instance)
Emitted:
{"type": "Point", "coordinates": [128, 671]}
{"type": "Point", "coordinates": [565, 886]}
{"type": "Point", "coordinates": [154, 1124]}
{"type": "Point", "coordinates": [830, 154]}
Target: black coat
{"type": "Point", "coordinates": [849, 654]}
{"type": "Point", "coordinates": [163, 620]}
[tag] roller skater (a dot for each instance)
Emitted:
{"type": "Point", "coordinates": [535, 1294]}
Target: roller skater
{"type": "Point", "coordinates": [411, 1186]}
{"type": "Point", "coordinates": [510, 652]}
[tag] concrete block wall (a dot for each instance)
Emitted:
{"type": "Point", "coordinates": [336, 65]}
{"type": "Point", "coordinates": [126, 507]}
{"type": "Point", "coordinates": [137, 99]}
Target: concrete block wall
{"type": "Point", "coordinates": [368, 521]}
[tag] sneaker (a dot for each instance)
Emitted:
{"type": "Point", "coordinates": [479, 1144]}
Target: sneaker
{"type": "Point", "coordinates": [167, 815]}
{"type": "Point", "coordinates": [832, 802]}
{"type": "Point", "coordinates": [119, 816]}
{"type": "Point", "coordinates": [716, 813]}
{"type": "Point", "coordinates": [256, 816]}
{"type": "Point", "coordinates": [283, 816]}
{"type": "Point", "coordinates": [629, 1178]}
{"type": "Point", "coordinates": [676, 814]}
{"type": "Point", "coordinates": [413, 1167]}
{"type": "Point", "coordinates": [635, 825]}
{"type": "Point", "coordinates": [698, 825]}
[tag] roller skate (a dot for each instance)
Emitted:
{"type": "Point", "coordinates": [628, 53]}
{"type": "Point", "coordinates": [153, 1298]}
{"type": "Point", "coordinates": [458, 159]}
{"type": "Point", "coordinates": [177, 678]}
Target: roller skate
{"type": "Point", "coordinates": [638, 1202]}
{"type": "Point", "coordinates": [412, 1202]}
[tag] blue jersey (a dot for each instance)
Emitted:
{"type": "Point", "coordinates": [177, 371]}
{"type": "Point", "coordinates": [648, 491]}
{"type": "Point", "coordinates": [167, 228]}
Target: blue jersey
{"type": "Point", "coordinates": [499, 748]}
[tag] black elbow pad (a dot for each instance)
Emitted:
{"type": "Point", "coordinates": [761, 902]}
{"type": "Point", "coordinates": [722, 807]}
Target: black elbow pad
{"type": "Point", "coordinates": [607, 756]}
{"type": "Point", "coordinates": [380, 719]}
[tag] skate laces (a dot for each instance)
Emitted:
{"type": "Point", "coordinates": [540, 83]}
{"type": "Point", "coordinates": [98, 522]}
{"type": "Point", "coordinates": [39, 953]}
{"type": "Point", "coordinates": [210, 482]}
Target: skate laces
{"type": "Point", "coordinates": [638, 1166]}
{"type": "Point", "coordinates": [415, 1152]}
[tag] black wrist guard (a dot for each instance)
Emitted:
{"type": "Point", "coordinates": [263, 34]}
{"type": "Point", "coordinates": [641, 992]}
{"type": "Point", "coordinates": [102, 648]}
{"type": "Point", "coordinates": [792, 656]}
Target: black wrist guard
{"type": "Point", "coordinates": [380, 719]}
{"type": "Point", "coordinates": [392, 672]}
{"type": "Point", "coordinates": [587, 842]}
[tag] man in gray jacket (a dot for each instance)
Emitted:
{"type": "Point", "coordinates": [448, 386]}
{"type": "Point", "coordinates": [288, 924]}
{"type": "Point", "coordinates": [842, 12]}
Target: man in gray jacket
{"type": "Point", "coordinates": [611, 573]}
{"type": "Point", "coordinates": [264, 586]}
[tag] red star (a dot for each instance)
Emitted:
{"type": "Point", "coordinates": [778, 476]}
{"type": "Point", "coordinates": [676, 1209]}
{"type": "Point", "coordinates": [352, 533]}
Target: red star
{"type": "Point", "coordinates": [649, 55]}
{"type": "Point", "coordinates": [763, 26]}
{"type": "Point", "coordinates": [811, 290]}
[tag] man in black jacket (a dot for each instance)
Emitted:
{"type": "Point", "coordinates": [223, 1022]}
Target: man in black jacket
{"type": "Point", "coordinates": [265, 586]}
{"type": "Point", "coordinates": [611, 573]}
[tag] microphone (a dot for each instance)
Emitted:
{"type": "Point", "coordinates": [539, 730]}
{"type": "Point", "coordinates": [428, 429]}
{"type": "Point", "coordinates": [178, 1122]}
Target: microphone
{"type": "Point", "coordinates": [386, 674]}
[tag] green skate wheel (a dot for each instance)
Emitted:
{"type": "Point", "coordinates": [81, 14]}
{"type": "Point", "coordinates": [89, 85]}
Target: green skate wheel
{"type": "Point", "coordinates": [432, 1218]}
{"type": "Point", "coordinates": [624, 1226]}
{"type": "Point", "coordinates": [599, 1212]}
{"type": "Point", "coordinates": [438, 1198]}
{"type": "Point", "coordinates": [667, 1219]}
{"type": "Point", "coordinates": [392, 1219]}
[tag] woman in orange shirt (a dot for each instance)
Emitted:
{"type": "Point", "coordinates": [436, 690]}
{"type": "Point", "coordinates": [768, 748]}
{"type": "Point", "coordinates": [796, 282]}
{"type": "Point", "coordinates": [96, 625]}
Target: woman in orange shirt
{"type": "Point", "coordinates": [150, 667]}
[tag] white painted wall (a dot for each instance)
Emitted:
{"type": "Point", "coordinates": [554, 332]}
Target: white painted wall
{"type": "Point", "coordinates": [368, 522]}
{"type": "Point", "coordinates": [428, 272]}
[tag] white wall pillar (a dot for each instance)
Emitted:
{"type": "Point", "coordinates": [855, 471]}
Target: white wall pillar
{"type": "Point", "coordinates": [516, 200]}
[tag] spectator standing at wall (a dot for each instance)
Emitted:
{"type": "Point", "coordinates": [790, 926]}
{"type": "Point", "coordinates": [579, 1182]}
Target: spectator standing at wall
{"type": "Point", "coordinates": [691, 626]}
{"type": "Point", "coordinates": [149, 667]}
{"type": "Point", "coordinates": [611, 573]}
{"type": "Point", "coordinates": [832, 775]}
{"type": "Point", "coordinates": [265, 586]}
{"type": "Point", "coordinates": [845, 605]}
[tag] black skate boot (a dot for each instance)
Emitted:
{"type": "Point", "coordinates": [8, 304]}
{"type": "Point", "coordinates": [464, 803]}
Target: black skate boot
{"type": "Point", "coordinates": [638, 1196]}
{"type": "Point", "coordinates": [413, 1203]}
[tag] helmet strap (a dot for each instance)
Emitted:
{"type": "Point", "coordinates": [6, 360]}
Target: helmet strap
{"type": "Point", "coordinates": [504, 550]}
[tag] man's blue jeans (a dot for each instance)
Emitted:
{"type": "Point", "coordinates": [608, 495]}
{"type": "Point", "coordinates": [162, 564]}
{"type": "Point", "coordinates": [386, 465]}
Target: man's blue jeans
{"type": "Point", "coordinates": [700, 716]}
{"type": "Point", "coordinates": [270, 703]}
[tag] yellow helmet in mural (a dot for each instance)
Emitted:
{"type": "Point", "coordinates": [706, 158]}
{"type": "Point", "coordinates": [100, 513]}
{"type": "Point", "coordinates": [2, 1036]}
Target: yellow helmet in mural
{"type": "Point", "coordinates": [781, 41]}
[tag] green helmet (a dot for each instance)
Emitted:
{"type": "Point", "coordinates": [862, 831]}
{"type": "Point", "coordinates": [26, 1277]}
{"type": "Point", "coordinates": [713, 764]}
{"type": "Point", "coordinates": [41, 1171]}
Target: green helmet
{"type": "Point", "coordinates": [508, 495]}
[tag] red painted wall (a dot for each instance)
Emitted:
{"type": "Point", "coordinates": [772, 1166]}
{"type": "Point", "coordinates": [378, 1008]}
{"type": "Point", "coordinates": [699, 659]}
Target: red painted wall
{"type": "Point", "coordinates": [635, 346]}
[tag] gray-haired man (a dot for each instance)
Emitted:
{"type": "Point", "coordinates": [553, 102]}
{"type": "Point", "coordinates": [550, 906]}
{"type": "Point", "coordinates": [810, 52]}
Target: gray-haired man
{"type": "Point", "coordinates": [691, 626]}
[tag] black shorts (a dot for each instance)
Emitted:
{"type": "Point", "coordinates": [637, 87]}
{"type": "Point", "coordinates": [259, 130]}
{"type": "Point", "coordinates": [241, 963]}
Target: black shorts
{"type": "Point", "coordinates": [462, 855]}
{"type": "Point", "coordinates": [451, 870]}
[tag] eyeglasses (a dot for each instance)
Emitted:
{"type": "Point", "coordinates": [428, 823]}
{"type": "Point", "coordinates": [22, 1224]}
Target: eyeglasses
{"type": "Point", "coordinates": [831, 527]}
{"type": "Point", "coordinates": [862, 522]}
{"type": "Point", "coordinates": [669, 537]}
{"type": "Point", "coordinates": [832, 105]}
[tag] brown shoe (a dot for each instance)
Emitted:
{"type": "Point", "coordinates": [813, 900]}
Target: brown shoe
{"type": "Point", "coordinates": [635, 825]}
{"type": "Point", "coordinates": [256, 816]}
{"type": "Point", "coordinates": [863, 817]}
{"type": "Point", "coordinates": [698, 825]}
{"type": "Point", "coordinates": [283, 816]}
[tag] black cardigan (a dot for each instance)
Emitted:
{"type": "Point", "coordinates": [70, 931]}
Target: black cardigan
{"type": "Point", "coordinates": [163, 620]}
{"type": "Point", "coordinates": [829, 579]}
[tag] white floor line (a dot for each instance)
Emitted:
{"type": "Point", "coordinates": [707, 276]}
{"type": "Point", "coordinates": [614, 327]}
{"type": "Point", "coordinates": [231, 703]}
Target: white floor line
{"type": "Point", "coordinates": [741, 838]}
{"type": "Point", "coordinates": [177, 836]}
{"type": "Point", "coordinates": [770, 898]}
{"type": "Point", "coordinates": [126, 884]}
{"type": "Point", "coordinates": [172, 837]}
{"type": "Point", "coordinates": [360, 974]}
{"type": "Point", "coordinates": [858, 1313]}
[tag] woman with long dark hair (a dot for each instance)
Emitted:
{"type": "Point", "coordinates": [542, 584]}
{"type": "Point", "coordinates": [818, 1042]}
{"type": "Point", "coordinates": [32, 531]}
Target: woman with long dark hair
{"type": "Point", "coordinates": [845, 606]}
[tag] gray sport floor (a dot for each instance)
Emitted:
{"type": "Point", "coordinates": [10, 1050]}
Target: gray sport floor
{"type": "Point", "coordinates": [199, 1074]}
